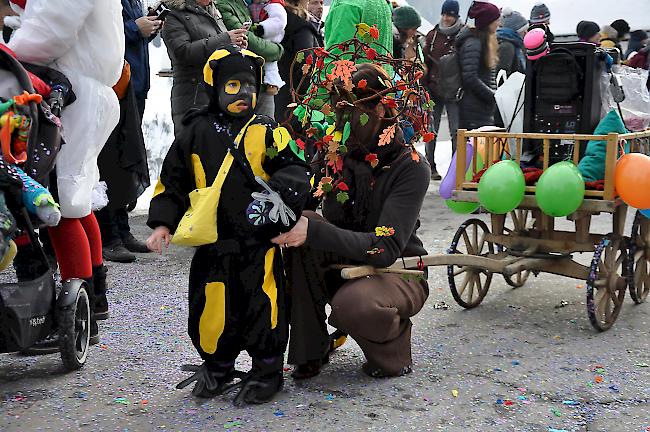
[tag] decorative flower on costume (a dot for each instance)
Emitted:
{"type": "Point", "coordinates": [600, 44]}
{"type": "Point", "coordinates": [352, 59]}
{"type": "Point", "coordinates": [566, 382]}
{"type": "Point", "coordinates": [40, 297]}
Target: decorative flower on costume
{"type": "Point", "coordinates": [382, 231]}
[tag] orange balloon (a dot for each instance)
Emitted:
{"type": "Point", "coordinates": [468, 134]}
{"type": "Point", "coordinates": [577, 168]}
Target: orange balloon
{"type": "Point", "coordinates": [632, 180]}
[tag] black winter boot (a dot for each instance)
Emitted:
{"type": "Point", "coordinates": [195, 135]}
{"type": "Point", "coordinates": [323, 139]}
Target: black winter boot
{"type": "Point", "coordinates": [100, 287]}
{"type": "Point", "coordinates": [211, 379]}
{"type": "Point", "coordinates": [94, 328]}
{"type": "Point", "coordinates": [262, 383]}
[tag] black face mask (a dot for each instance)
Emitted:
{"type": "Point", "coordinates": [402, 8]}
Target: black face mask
{"type": "Point", "coordinates": [238, 94]}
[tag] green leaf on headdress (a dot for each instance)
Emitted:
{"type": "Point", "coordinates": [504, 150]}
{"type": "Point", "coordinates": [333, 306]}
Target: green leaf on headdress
{"type": "Point", "coordinates": [297, 151]}
{"type": "Point", "coordinates": [300, 57]}
{"type": "Point", "coordinates": [342, 197]}
{"type": "Point", "coordinates": [300, 112]}
{"type": "Point", "coordinates": [346, 132]}
{"type": "Point", "coordinates": [363, 119]}
{"type": "Point", "coordinates": [343, 149]}
{"type": "Point", "coordinates": [326, 187]}
{"type": "Point", "coordinates": [317, 116]}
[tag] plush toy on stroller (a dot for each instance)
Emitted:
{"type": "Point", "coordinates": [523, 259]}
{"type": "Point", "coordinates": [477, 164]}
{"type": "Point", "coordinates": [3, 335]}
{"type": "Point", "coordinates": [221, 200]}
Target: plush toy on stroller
{"type": "Point", "coordinates": [30, 309]}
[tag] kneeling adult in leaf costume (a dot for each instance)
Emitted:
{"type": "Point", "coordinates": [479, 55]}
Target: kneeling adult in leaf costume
{"type": "Point", "coordinates": [372, 184]}
{"type": "Point", "coordinates": [225, 158]}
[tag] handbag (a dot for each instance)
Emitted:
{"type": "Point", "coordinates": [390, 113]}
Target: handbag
{"type": "Point", "coordinates": [198, 226]}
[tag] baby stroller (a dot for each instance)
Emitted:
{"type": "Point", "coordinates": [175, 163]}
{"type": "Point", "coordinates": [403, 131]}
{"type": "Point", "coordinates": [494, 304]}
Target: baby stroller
{"type": "Point", "coordinates": [34, 310]}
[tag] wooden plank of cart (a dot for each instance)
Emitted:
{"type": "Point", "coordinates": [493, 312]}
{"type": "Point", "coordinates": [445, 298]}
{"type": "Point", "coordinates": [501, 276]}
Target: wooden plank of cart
{"type": "Point", "coordinates": [526, 241]}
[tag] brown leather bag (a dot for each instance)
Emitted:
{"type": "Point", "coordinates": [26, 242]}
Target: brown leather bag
{"type": "Point", "coordinates": [123, 83]}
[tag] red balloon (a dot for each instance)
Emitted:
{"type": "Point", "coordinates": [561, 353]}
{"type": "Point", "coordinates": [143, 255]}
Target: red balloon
{"type": "Point", "coordinates": [632, 180]}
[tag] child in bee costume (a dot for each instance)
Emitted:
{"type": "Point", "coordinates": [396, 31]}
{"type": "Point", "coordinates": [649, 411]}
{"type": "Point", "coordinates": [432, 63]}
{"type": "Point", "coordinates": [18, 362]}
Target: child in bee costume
{"type": "Point", "coordinates": [237, 292]}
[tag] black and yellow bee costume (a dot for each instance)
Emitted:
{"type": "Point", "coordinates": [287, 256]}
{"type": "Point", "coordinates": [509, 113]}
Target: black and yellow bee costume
{"type": "Point", "coordinates": [236, 285]}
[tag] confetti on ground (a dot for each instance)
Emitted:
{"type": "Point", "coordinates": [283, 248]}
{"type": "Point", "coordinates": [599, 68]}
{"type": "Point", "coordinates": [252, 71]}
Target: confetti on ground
{"type": "Point", "coordinates": [329, 397]}
{"type": "Point", "coordinates": [454, 393]}
{"type": "Point", "coordinates": [550, 429]}
{"type": "Point", "coordinates": [441, 305]}
{"type": "Point", "coordinates": [515, 363]}
{"type": "Point", "coordinates": [562, 304]}
{"type": "Point", "coordinates": [556, 412]}
{"type": "Point", "coordinates": [580, 286]}
{"type": "Point", "coordinates": [642, 365]}
{"type": "Point", "coordinates": [570, 402]}
{"type": "Point", "coordinates": [598, 379]}
{"type": "Point", "coordinates": [278, 413]}
{"type": "Point", "coordinates": [232, 424]}
{"type": "Point", "coordinates": [522, 389]}
{"type": "Point", "coordinates": [121, 400]}
{"type": "Point", "coordinates": [614, 389]}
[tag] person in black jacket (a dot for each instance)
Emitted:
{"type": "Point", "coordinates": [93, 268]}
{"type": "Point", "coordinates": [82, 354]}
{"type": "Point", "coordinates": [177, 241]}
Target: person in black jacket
{"type": "Point", "coordinates": [478, 54]}
{"type": "Point", "coordinates": [193, 30]}
{"type": "Point", "coordinates": [375, 226]}
{"type": "Point", "coordinates": [237, 296]}
{"type": "Point", "coordinates": [299, 34]}
{"type": "Point", "coordinates": [511, 42]}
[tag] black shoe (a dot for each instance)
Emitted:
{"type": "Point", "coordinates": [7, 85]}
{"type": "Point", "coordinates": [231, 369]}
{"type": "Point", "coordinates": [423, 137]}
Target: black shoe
{"type": "Point", "coordinates": [116, 252]}
{"type": "Point", "coordinates": [94, 332]}
{"type": "Point", "coordinates": [257, 390]}
{"type": "Point", "coordinates": [100, 288]}
{"type": "Point", "coordinates": [210, 380]}
{"type": "Point", "coordinates": [434, 175]}
{"type": "Point", "coordinates": [134, 245]}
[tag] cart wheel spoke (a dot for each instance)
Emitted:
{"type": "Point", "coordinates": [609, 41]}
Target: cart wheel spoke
{"type": "Point", "coordinates": [606, 291]}
{"type": "Point", "coordinates": [469, 285]}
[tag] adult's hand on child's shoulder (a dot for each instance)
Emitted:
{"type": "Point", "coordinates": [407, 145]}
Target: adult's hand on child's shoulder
{"type": "Point", "coordinates": [159, 236]}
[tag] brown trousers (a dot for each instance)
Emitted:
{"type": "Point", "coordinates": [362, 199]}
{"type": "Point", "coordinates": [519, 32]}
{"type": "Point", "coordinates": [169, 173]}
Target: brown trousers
{"type": "Point", "coordinates": [375, 311]}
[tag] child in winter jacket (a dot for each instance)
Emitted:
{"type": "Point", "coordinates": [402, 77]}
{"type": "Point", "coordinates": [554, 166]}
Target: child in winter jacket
{"type": "Point", "coordinates": [237, 295]}
{"type": "Point", "coordinates": [270, 22]}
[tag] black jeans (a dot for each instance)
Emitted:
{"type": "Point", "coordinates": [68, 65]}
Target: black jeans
{"type": "Point", "coordinates": [113, 224]}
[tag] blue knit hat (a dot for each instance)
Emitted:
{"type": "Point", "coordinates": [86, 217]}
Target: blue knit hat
{"type": "Point", "coordinates": [513, 20]}
{"type": "Point", "coordinates": [451, 8]}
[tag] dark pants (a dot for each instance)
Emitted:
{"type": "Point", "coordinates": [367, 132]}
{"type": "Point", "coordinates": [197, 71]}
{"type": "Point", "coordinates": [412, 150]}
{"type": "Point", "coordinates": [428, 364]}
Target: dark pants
{"type": "Point", "coordinates": [113, 224]}
{"type": "Point", "coordinates": [375, 311]}
{"type": "Point", "coordinates": [237, 302]}
{"type": "Point", "coordinates": [453, 117]}
{"type": "Point", "coordinates": [141, 101]}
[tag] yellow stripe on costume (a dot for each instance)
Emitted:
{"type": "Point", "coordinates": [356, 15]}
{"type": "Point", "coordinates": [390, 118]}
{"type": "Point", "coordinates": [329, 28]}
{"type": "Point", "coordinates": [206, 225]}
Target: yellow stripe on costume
{"type": "Point", "coordinates": [269, 286]}
{"type": "Point", "coordinates": [255, 147]}
{"type": "Point", "coordinates": [160, 188]}
{"type": "Point", "coordinates": [213, 318]}
{"type": "Point", "coordinates": [199, 173]}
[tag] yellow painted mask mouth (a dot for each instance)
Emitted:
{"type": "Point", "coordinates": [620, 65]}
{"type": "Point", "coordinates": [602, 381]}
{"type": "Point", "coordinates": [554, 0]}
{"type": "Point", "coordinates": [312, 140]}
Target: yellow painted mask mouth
{"type": "Point", "coordinates": [239, 106]}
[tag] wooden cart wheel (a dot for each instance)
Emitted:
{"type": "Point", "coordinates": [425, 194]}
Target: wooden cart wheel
{"type": "Point", "coordinates": [473, 283]}
{"type": "Point", "coordinates": [607, 282]}
{"type": "Point", "coordinates": [639, 280]}
{"type": "Point", "coordinates": [519, 220]}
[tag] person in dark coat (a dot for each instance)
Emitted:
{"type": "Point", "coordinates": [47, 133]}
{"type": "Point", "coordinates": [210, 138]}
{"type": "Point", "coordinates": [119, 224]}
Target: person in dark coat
{"type": "Point", "coordinates": [193, 30]}
{"type": "Point", "coordinates": [123, 166]}
{"type": "Point", "coordinates": [440, 42]}
{"type": "Point", "coordinates": [478, 55]}
{"type": "Point", "coordinates": [376, 226]}
{"type": "Point", "coordinates": [511, 42]}
{"type": "Point", "coordinates": [299, 34]}
{"type": "Point", "coordinates": [139, 30]}
{"type": "Point", "coordinates": [638, 39]}
{"type": "Point", "coordinates": [406, 40]}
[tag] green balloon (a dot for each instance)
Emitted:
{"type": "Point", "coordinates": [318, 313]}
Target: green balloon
{"type": "Point", "coordinates": [560, 190]}
{"type": "Point", "coordinates": [462, 207]}
{"type": "Point", "coordinates": [502, 187]}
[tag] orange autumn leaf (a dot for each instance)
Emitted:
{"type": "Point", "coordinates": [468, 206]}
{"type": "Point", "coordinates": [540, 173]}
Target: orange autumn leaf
{"type": "Point", "coordinates": [343, 69]}
{"type": "Point", "coordinates": [374, 32]}
{"type": "Point", "coordinates": [415, 156]}
{"type": "Point", "coordinates": [327, 109]}
{"type": "Point", "coordinates": [428, 137]}
{"type": "Point", "coordinates": [387, 135]}
{"type": "Point", "coordinates": [305, 69]}
{"type": "Point", "coordinates": [362, 84]}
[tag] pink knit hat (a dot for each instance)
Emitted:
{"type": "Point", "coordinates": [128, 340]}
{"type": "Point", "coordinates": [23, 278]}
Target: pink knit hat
{"type": "Point", "coordinates": [536, 44]}
{"type": "Point", "coordinates": [483, 13]}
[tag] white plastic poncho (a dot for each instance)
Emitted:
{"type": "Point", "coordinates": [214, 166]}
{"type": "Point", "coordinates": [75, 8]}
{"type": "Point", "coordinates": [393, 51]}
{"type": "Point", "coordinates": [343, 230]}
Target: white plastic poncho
{"type": "Point", "coordinates": [84, 39]}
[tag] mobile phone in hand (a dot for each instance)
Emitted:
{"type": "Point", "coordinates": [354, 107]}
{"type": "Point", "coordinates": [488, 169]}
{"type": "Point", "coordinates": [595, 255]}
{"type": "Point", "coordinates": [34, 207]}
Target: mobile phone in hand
{"type": "Point", "coordinates": [247, 25]}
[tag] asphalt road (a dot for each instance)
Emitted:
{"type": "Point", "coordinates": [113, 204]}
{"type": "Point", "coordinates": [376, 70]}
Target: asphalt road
{"type": "Point", "coordinates": [518, 362]}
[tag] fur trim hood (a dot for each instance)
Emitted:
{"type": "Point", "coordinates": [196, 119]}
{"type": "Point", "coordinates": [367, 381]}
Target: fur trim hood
{"type": "Point", "coordinates": [174, 4]}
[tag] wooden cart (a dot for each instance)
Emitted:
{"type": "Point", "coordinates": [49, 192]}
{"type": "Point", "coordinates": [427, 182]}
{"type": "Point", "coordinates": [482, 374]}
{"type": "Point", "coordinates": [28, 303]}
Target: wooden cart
{"type": "Point", "coordinates": [526, 241]}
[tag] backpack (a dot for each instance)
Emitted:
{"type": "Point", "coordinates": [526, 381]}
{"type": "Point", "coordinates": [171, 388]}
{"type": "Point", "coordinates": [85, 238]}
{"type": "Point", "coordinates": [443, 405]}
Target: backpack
{"type": "Point", "coordinates": [449, 86]}
{"type": "Point", "coordinates": [558, 76]}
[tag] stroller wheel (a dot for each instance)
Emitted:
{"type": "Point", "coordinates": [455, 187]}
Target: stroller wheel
{"type": "Point", "coordinates": [74, 331]}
